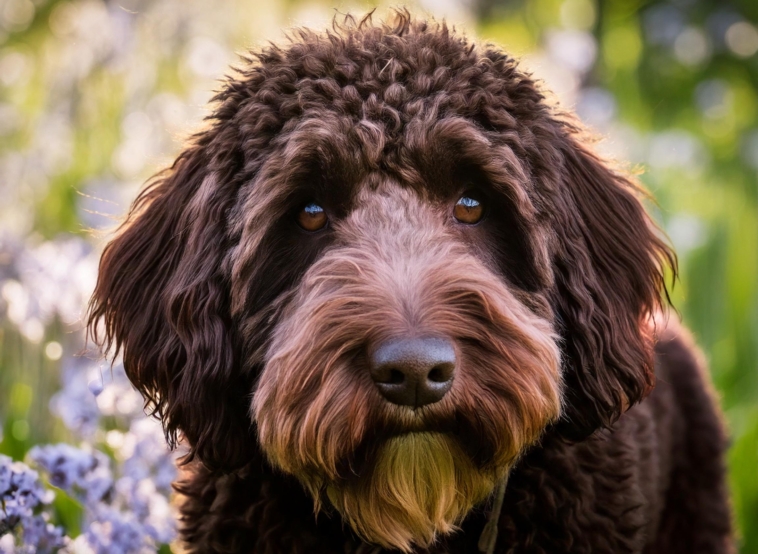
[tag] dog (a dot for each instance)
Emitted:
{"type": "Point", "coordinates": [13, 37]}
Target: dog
{"type": "Point", "coordinates": [392, 301]}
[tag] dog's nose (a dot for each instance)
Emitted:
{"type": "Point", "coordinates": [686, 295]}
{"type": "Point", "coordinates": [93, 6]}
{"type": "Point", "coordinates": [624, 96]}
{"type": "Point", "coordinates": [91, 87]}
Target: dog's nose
{"type": "Point", "coordinates": [413, 372]}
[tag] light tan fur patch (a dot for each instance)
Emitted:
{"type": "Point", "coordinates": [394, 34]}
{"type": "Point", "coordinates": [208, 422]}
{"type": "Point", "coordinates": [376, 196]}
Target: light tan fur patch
{"type": "Point", "coordinates": [422, 485]}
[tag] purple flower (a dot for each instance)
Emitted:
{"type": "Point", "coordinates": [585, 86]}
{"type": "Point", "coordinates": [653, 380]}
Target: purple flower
{"type": "Point", "coordinates": [116, 532]}
{"type": "Point", "coordinates": [75, 403]}
{"type": "Point", "coordinates": [85, 475]}
{"type": "Point", "coordinates": [146, 455]}
{"type": "Point", "coordinates": [150, 507]}
{"type": "Point", "coordinates": [21, 493]}
{"type": "Point", "coordinates": [21, 496]}
{"type": "Point", "coordinates": [42, 536]}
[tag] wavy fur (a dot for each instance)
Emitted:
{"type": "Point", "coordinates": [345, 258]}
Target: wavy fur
{"type": "Point", "coordinates": [250, 337]}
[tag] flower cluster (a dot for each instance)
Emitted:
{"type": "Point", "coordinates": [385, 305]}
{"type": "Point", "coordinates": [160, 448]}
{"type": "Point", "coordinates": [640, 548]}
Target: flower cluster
{"type": "Point", "coordinates": [125, 497]}
{"type": "Point", "coordinates": [23, 520]}
{"type": "Point", "coordinates": [84, 475]}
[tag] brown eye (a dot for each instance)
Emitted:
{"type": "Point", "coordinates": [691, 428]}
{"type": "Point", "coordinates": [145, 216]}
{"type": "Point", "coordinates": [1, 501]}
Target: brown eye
{"type": "Point", "coordinates": [312, 217]}
{"type": "Point", "coordinates": [468, 210]}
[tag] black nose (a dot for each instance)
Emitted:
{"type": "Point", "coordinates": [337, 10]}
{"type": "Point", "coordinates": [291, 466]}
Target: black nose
{"type": "Point", "coordinates": [413, 372]}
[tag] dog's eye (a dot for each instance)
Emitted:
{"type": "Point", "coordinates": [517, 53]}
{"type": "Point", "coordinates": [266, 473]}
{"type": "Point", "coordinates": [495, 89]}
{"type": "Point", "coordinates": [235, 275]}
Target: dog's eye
{"type": "Point", "coordinates": [468, 210]}
{"type": "Point", "coordinates": [312, 217]}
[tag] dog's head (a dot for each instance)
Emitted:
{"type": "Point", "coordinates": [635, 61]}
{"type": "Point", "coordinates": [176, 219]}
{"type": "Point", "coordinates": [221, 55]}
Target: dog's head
{"type": "Point", "coordinates": [389, 266]}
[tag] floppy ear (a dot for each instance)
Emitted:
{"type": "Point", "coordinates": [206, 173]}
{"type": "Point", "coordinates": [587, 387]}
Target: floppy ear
{"type": "Point", "coordinates": [161, 300]}
{"type": "Point", "coordinates": [609, 278]}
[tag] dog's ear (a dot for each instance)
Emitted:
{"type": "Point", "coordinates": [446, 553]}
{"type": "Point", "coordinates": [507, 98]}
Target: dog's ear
{"type": "Point", "coordinates": [162, 301]}
{"type": "Point", "coordinates": [609, 281]}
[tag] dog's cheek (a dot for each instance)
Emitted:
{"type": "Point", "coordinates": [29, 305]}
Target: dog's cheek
{"type": "Point", "coordinates": [311, 413]}
{"type": "Point", "coordinates": [509, 385]}
{"type": "Point", "coordinates": [503, 407]}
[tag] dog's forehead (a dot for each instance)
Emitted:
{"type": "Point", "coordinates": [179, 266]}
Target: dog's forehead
{"type": "Point", "coordinates": [331, 158]}
{"type": "Point", "coordinates": [324, 120]}
{"type": "Point", "coordinates": [421, 104]}
{"type": "Point", "coordinates": [382, 74]}
{"type": "Point", "coordinates": [379, 84]}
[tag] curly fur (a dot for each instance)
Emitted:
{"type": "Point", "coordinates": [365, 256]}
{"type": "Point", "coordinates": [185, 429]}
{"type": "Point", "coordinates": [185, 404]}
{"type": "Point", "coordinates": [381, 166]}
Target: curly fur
{"type": "Point", "coordinates": [250, 337]}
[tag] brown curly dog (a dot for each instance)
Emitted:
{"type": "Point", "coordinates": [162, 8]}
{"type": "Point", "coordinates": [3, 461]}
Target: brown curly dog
{"type": "Point", "coordinates": [392, 301]}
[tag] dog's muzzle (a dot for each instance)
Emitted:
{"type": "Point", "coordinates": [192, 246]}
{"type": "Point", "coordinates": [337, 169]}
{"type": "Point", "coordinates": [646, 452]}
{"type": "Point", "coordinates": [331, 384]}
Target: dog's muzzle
{"type": "Point", "coordinates": [414, 371]}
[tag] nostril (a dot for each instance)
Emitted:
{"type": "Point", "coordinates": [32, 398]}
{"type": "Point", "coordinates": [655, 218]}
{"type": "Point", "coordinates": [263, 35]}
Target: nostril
{"type": "Point", "coordinates": [396, 377]}
{"type": "Point", "coordinates": [388, 375]}
{"type": "Point", "coordinates": [440, 373]}
{"type": "Point", "coordinates": [434, 375]}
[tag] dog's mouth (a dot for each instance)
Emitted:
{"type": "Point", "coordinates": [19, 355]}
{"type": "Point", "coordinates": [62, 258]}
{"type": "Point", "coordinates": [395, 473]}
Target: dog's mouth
{"type": "Point", "coordinates": [454, 428]}
{"type": "Point", "coordinates": [421, 420]}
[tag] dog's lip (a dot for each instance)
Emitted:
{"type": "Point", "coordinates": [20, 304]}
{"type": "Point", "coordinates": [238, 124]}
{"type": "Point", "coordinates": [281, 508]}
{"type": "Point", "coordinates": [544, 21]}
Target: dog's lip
{"type": "Point", "coordinates": [423, 425]}
{"type": "Point", "coordinates": [354, 464]}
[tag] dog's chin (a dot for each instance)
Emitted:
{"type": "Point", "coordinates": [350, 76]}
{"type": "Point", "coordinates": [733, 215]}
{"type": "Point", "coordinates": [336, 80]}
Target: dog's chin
{"type": "Point", "coordinates": [420, 486]}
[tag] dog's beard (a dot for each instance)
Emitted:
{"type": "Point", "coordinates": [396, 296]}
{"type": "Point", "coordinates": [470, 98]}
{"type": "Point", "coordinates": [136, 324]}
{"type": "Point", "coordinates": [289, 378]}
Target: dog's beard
{"type": "Point", "coordinates": [421, 485]}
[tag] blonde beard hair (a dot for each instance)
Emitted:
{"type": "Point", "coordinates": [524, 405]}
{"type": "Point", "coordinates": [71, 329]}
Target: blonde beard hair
{"type": "Point", "coordinates": [421, 486]}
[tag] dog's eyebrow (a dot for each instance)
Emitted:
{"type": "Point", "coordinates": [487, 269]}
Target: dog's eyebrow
{"type": "Point", "coordinates": [444, 146]}
{"type": "Point", "coordinates": [317, 156]}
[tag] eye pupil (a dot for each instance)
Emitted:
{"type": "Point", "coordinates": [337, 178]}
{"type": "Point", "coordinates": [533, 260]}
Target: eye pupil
{"type": "Point", "coordinates": [312, 217]}
{"type": "Point", "coordinates": [468, 210]}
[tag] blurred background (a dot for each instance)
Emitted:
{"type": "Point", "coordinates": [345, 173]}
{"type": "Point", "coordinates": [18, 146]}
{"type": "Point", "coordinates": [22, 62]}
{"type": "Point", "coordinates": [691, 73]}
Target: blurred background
{"type": "Point", "coordinates": [96, 95]}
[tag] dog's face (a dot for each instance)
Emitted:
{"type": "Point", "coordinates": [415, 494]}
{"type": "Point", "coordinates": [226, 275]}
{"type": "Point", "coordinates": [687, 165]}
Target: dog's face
{"type": "Point", "coordinates": [388, 267]}
{"type": "Point", "coordinates": [404, 373]}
